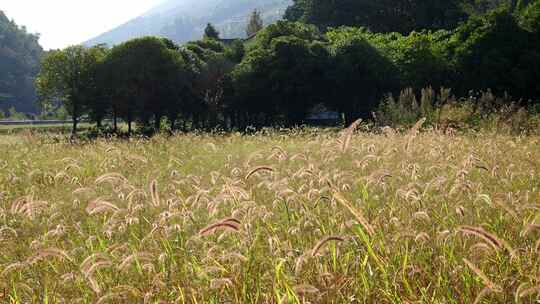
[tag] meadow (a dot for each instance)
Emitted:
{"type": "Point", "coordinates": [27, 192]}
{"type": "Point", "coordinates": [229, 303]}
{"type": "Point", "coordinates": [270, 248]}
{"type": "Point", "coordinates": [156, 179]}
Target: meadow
{"type": "Point", "coordinates": [297, 216]}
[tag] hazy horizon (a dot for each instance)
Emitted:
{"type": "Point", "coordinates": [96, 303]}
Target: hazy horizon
{"type": "Point", "coordinates": [67, 22]}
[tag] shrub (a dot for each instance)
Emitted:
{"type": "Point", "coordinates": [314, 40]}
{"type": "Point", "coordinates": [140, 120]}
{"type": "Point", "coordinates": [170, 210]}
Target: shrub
{"type": "Point", "coordinates": [406, 110]}
{"type": "Point", "coordinates": [482, 111]}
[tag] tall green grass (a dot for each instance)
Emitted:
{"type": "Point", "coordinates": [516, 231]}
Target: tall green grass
{"type": "Point", "coordinates": [281, 217]}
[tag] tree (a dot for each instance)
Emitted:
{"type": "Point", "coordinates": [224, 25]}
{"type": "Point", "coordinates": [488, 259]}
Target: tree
{"type": "Point", "coordinates": [530, 17]}
{"type": "Point", "coordinates": [96, 98]}
{"type": "Point", "coordinates": [480, 7]}
{"type": "Point", "coordinates": [401, 16]}
{"type": "Point", "coordinates": [65, 77]}
{"type": "Point", "coordinates": [147, 78]}
{"type": "Point", "coordinates": [213, 62]}
{"type": "Point", "coordinates": [283, 74]}
{"type": "Point", "coordinates": [210, 32]}
{"type": "Point", "coordinates": [210, 86]}
{"type": "Point", "coordinates": [255, 23]}
{"type": "Point", "coordinates": [20, 55]}
{"type": "Point", "coordinates": [493, 52]}
{"type": "Point", "coordinates": [284, 28]}
{"type": "Point", "coordinates": [236, 51]}
{"type": "Point", "coordinates": [360, 74]}
{"type": "Point", "coordinates": [420, 59]}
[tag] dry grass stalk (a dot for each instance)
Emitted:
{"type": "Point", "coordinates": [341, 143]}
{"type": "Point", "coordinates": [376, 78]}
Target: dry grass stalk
{"type": "Point", "coordinates": [300, 262]}
{"type": "Point", "coordinates": [13, 266]}
{"type": "Point", "coordinates": [491, 239]}
{"type": "Point", "coordinates": [112, 297]}
{"type": "Point", "coordinates": [128, 289]}
{"type": "Point", "coordinates": [487, 282]}
{"type": "Point", "coordinates": [460, 211]}
{"type": "Point", "coordinates": [226, 224]}
{"type": "Point", "coordinates": [50, 252]}
{"type": "Point", "coordinates": [528, 229]}
{"type": "Point", "coordinates": [87, 262]}
{"type": "Point", "coordinates": [231, 220]}
{"type": "Point", "coordinates": [305, 289]}
{"type": "Point", "coordinates": [111, 177]}
{"type": "Point", "coordinates": [378, 177]}
{"type": "Point", "coordinates": [347, 135]}
{"type": "Point", "coordinates": [154, 193]}
{"type": "Point", "coordinates": [480, 248]}
{"type": "Point", "coordinates": [82, 190]}
{"type": "Point", "coordinates": [8, 230]}
{"type": "Point", "coordinates": [528, 292]}
{"type": "Point", "coordinates": [506, 208]}
{"type": "Point", "coordinates": [134, 193]}
{"type": "Point", "coordinates": [98, 206]}
{"type": "Point", "coordinates": [421, 216]}
{"type": "Point", "coordinates": [421, 238]}
{"type": "Point", "coordinates": [355, 212]}
{"type": "Point", "coordinates": [139, 256]}
{"type": "Point", "coordinates": [220, 283]}
{"type": "Point", "coordinates": [281, 151]}
{"type": "Point", "coordinates": [537, 245]}
{"type": "Point", "coordinates": [485, 291]}
{"type": "Point", "coordinates": [257, 169]}
{"type": "Point", "coordinates": [97, 266]}
{"type": "Point", "coordinates": [414, 132]}
{"type": "Point", "coordinates": [320, 245]}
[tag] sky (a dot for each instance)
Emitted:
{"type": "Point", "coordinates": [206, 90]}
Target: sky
{"type": "Point", "coordinates": [67, 22]}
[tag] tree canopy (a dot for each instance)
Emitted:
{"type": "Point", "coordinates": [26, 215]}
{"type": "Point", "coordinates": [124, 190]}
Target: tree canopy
{"type": "Point", "coordinates": [20, 55]}
{"type": "Point", "coordinates": [255, 23]}
{"type": "Point", "coordinates": [66, 78]}
{"type": "Point", "coordinates": [289, 68]}
{"type": "Point", "coordinates": [210, 32]}
{"type": "Point", "coordinates": [282, 76]}
{"type": "Point", "coordinates": [402, 16]}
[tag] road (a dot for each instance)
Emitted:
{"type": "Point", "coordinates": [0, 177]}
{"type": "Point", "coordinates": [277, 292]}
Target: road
{"type": "Point", "coordinates": [33, 122]}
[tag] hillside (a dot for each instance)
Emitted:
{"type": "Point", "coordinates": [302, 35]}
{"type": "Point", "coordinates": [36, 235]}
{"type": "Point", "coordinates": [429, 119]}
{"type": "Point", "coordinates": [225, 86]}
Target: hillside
{"type": "Point", "coordinates": [20, 53]}
{"type": "Point", "coordinates": [184, 20]}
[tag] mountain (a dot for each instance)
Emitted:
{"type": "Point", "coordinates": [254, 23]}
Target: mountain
{"type": "Point", "coordinates": [20, 55]}
{"type": "Point", "coordinates": [184, 20]}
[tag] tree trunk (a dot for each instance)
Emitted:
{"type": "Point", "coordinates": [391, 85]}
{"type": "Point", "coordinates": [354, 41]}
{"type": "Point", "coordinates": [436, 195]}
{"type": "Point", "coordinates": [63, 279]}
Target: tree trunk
{"type": "Point", "coordinates": [75, 118]}
{"type": "Point", "coordinates": [74, 130]}
{"type": "Point", "coordinates": [234, 120]}
{"type": "Point", "coordinates": [129, 122]}
{"type": "Point", "coordinates": [115, 122]}
{"type": "Point", "coordinates": [157, 123]}
{"type": "Point", "coordinates": [195, 125]}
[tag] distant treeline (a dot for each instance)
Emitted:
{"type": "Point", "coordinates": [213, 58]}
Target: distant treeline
{"type": "Point", "coordinates": [20, 55]}
{"type": "Point", "coordinates": [290, 67]}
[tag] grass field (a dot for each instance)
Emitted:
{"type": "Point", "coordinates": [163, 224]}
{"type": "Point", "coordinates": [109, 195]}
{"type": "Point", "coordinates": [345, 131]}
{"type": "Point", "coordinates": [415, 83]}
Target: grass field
{"type": "Point", "coordinates": [276, 217]}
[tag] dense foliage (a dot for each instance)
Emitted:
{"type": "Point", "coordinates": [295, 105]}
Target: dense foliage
{"type": "Point", "coordinates": [282, 75]}
{"type": "Point", "coordinates": [67, 77]}
{"type": "Point", "coordinates": [20, 54]}
{"type": "Point", "coordinates": [401, 16]}
{"type": "Point", "coordinates": [210, 32]}
{"type": "Point", "coordinates": [255, 23]}
{"type": "Point", "coordinates": [290, 68]}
